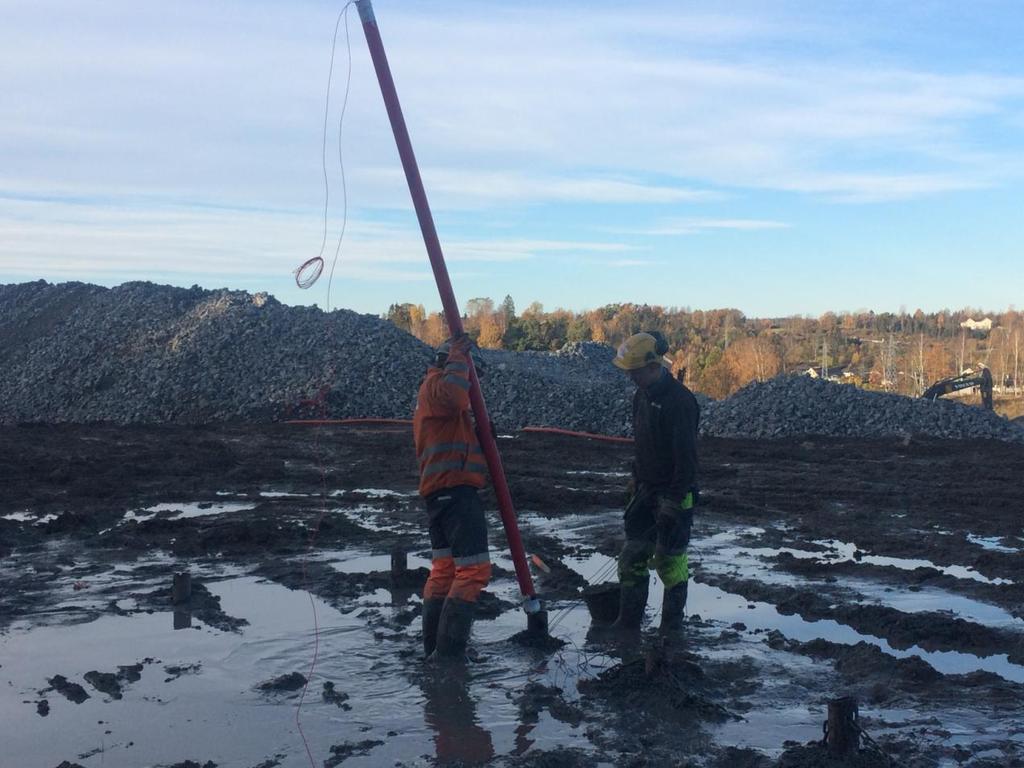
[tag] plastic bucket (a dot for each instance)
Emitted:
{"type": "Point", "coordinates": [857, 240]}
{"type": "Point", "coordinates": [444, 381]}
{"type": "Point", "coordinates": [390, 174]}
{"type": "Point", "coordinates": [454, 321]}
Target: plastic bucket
{"type": "Point", "coordinates": [603, 602]}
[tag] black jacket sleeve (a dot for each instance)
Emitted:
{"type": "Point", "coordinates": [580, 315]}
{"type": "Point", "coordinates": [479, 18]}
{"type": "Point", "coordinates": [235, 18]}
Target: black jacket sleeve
{"type": "Point", "coordinates": [685, 417]}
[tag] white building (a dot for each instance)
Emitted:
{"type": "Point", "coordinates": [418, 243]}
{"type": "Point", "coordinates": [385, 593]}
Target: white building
{"type": "Point", "coordinates": [977, 325]}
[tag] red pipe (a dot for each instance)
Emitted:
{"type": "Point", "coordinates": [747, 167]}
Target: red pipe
{"type": "Point", "coordinates": [587, 435]}
{"type": "Point", "coordinates": [408, 422]}
{"type": "Point", "coordinates": [444, 287]}
{"type": "Point", "coordinates": [403, 422]}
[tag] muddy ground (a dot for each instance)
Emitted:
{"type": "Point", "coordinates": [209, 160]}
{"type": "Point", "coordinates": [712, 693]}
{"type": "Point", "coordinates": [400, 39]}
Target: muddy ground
{"type": "Point", "coordinates": [886, 570]}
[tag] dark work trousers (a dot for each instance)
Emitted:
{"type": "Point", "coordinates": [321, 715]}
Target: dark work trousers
{"type": "Point", "coordinates": [461, 564]}
{"type": "Point", "coordinates": [658, 540]}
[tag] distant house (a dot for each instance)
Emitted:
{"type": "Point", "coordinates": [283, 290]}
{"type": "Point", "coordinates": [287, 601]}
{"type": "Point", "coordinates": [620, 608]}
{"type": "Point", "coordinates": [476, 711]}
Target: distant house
{"type": "Point", "coordinates": [977, 325]}
{"type": "Point", "coordinates": [832, 373]}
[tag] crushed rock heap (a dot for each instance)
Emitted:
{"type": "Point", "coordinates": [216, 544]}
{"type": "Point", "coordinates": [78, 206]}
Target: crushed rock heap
{"type": "Point", "coordinates": [799, 405]}
{"type": "Point", "coordinates": [145, 353]}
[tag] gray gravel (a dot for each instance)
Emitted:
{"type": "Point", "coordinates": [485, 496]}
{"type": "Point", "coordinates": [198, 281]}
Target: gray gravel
{"type": "Point", "coordinates": [799, 405]}
{"type": "Point", "coordinates": [144, 353]}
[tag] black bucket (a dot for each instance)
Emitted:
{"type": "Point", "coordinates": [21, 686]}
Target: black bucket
{"type": "Point", "coordinates": [603, 602]}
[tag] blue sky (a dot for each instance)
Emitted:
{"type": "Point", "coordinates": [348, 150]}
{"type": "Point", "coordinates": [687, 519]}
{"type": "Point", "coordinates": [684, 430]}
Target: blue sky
{"type": "Point", "coordinates": [777, 157]}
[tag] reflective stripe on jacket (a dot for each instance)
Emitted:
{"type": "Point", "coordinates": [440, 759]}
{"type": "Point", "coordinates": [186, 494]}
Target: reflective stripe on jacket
{"type": "Point", "coordinates": [447, 450]}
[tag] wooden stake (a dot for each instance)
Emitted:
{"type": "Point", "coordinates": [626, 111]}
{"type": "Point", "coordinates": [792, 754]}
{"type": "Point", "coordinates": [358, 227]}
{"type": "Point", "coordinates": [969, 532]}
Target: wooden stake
{"type": "Point", "coordinates": [399, 562]}
{"type": "Point", "coordinates": [843, 737]}
{"type": "Point", "coordinates": [181, 591]}
{"type": "Point", "coordinates": [537, 623]}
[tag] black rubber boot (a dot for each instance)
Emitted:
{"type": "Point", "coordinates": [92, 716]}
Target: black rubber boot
{"type": "Point", "coordinates": [632, 602]}
{"type": "Point", "coordinates": [672, 606]}
{"type": "Point", "coordinates": [453, 629]}
{"type": "Point", "coordinates": [432, 607]}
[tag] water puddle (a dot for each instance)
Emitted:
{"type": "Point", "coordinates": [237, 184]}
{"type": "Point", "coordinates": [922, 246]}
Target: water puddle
{"type": "Point", "coordinates": [28, 517]}
{"type": "Point", "coordinates": [213, 712]}
{"type": "Point", "coordinates": [348, 561]}
{"type": "Point", "coordinates": [198, 696]}
{"type": "Point", "coordinates": [376, 519]}
{"type": "Point", "coordinates": [718, 554]}
{"type": "Point", "coordinates": [376, 493]}
{"type": "Point", "coordinates": [993, 543]}
{"type": "Point", "coordinates": [188, 510]}
{"type": "Point", "coordinates": [847, 552]}
{"type": "Point", "coordinates": [714, 603]}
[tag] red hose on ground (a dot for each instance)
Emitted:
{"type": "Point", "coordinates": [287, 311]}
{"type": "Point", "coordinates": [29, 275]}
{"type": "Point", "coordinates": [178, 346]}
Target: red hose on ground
{"type": "Point", "coordinates": [408, 422]}
{"type": "Point", "coordinates": [587, 435]}
{"type": "Point", "coordinates": [403, 422]}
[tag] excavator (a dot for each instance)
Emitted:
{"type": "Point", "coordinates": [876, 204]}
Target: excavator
{"type": "Point", "coordinates": [982, 380]}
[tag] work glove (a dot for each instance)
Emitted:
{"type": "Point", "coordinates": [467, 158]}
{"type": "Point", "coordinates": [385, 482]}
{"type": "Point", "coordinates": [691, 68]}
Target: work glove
{"type": "Point", "coordinates": [630, 490]}
{"type": "Point", "coordinates": [462, 344]}
{"type": "Point", "coordinates": [667, 514]}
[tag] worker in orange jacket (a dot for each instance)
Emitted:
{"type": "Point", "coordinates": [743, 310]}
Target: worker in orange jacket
{"type": "Point", "coordinates": [451, 467]}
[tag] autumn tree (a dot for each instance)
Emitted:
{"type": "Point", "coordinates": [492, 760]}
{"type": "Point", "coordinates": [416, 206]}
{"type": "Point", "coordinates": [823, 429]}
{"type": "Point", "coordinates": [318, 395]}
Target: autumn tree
{"type": "Point", "coordinates": [753, 358]}
{"type": "Point", "coordinates": [491, 332]}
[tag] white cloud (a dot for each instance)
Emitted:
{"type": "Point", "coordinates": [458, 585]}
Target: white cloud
{"type": "Point", "coordinates": [585, 104]}
{"type": "Point", "coordinates": [59, 238]}
{"type": "Point", "coordinates": [873, 188]}
{"type": "Point", "coordinates": [189, 140]}
{"type": "Point", "coordinates": [694, 226]}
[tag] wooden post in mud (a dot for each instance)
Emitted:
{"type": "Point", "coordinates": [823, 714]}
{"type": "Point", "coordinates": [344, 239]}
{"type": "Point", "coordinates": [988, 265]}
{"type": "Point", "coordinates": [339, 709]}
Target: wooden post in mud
{"type": "Point", "coordinates": [537, 623]}
{"type": "Point", "coordinates": [181, 591]}
{"type": "Point", "coordinates": [399, 563]}
{"type": "Point", "coordinates": [842, 736]}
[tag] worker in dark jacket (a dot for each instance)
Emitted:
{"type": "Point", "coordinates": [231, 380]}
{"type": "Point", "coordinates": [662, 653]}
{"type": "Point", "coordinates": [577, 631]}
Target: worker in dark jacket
{"type": "Point", "coordinates": [659, 514]}
{"type": "Point", "coordinates": [451, 468]}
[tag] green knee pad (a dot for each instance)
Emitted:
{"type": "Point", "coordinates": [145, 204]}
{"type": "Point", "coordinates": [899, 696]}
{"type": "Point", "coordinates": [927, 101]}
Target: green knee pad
{"type": "Point", "coordinates": [673, 569]}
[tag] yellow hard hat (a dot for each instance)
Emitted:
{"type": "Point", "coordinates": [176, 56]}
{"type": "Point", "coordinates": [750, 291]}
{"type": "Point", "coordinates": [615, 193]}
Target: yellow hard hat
{"type": "Point", "coordinates": [639, 350]}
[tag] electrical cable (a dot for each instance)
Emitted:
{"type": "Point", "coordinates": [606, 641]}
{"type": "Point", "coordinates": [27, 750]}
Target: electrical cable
{"type": "Point", "coordinates": [310, 270]}
{"type": "Point", "coordinates": [305, 276]}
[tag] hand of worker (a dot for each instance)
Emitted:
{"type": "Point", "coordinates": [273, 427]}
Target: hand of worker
{"type": "Point", "coordinates": [668, 512]}
{"type": "Point", "coordinates": [462, 344]}
{"type": "Point", "coordinates": [630, 489]}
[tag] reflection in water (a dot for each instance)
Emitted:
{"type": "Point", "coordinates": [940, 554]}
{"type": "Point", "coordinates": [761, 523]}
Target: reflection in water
{"type": "Point", "coordinates": [182, 618]}
{"type": "Point", "coordinates": [400, 596]}
{"type": "Point", "coordinates": [450, 712]}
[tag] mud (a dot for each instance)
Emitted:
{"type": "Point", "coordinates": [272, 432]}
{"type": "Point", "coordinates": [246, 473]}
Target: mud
{"type": "Point", "coordinates": [887, 570]}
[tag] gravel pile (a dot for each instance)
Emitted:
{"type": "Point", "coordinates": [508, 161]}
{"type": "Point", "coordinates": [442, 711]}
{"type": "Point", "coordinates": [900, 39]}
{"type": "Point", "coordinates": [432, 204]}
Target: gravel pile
{"type": "Point", "coordinates": [575, 388]}
{"type": "Point", "coordinates": [143, 353]}
{"type": "Point", "coordinates": [800, 405]}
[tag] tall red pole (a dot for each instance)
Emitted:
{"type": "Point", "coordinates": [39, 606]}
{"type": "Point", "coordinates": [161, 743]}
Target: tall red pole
{"type": "Point", "coordinates": [451, 307]}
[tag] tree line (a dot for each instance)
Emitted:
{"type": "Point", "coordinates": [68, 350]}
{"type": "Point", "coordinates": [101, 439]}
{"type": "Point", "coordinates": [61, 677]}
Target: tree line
{"type": "Point", "coordinates": [721, 350]}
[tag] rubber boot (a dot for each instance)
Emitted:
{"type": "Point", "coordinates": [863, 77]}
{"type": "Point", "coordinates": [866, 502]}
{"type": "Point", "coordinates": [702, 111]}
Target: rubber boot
{"type": "Point", "coordinates": [632, 602]}
{"type": "Point", "coordinates": [431, 619]}
{"type": "Point", "coordinates": [672, 606]}
{"type": "Point", "coordinates": [453, 629]}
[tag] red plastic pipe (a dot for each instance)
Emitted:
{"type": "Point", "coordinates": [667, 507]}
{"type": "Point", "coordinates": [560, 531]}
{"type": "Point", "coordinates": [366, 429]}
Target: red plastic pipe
{"type": "Point", "coordinates": [586, 435]}
{"type": "Point", "coordinates": [451, 307]}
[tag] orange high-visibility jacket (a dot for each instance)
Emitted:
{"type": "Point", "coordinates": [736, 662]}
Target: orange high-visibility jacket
{"type": "Point", "coordinates": [447, 448]}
